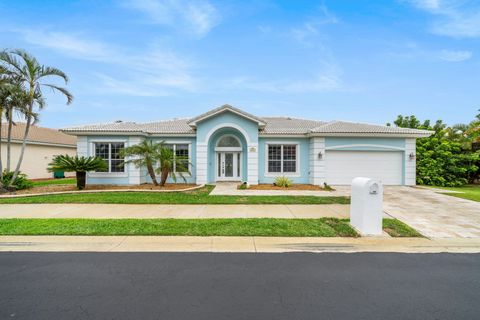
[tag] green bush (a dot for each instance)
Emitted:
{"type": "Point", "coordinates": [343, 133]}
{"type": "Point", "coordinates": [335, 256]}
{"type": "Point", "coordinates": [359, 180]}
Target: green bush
{"type": "Point", "coordinates": [243, 186]}
{"type": "Point", "coordinates": [283, 182]}
{"type": "Point", "coordinates": [20, 183]}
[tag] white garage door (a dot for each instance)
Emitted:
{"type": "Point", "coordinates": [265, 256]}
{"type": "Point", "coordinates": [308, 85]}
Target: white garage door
{"type": "Point", "coordinates": [343, 166]}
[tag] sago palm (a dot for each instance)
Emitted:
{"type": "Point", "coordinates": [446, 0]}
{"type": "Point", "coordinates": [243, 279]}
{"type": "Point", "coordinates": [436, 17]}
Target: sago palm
{"type": "Point", "coordinates": [79, 165]}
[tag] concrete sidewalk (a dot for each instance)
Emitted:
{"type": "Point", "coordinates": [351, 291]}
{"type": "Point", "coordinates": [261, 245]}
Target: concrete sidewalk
{"type": "Point", "coordinates": [233, 244]}
{"type": "Point", "coordinates": [151, 211]}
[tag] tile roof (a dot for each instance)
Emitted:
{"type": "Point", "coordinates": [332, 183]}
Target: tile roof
{"type": "Point", "coordinates": [268, 126]}
{"type": "Point", "coordinates": [364, 128]}
{"type": "Point", "coordinates": [288, 125]}
{"type": "Point", "coordinates": [39, 135]}
{"type": "Point", "coordinates": [173, 126]}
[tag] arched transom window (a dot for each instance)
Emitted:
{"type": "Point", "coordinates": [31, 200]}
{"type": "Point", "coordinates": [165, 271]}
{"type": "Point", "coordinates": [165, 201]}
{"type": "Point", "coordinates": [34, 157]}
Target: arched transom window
{"type": "Point", "coordinates": [228, 143]}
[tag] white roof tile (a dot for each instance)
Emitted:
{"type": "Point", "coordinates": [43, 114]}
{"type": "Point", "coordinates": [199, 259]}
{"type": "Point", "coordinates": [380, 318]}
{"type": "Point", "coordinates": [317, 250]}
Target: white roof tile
{"type": "Point", "coordinates": [273, 126]}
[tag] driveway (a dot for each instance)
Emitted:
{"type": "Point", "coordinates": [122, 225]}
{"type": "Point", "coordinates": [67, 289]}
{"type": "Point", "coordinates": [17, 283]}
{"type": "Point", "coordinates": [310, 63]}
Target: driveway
{"type": "Point", "coordinates": [433, 214]}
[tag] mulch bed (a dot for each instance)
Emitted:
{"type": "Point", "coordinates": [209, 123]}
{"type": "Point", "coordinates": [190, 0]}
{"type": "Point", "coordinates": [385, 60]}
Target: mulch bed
{"type": "Point", "coordinates": [293, 187]}
{"type": "Point", "coordinates": [72, 187]}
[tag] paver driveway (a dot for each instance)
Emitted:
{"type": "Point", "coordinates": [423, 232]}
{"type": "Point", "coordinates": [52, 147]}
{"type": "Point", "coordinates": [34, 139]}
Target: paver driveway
{"type": "Point", "coordinates": [433, 214]}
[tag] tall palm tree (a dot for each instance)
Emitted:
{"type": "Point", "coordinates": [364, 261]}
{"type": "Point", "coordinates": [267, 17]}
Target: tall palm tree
{"type": "Point", "coordinates": [31, 75]}
{"type": "Point", "coordinates": [144, 154]}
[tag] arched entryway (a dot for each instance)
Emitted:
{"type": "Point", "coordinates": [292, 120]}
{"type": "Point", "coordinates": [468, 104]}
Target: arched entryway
{"type": "Point", "coordinates": [228, 158]}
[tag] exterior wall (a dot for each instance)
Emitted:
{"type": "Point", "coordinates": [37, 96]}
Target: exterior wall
{"type": "Point", "coordinates": [410, 165]}
{"type": "Point", "coordinates": [207, 129]}
{"type": "Point", "coordinates": [317, 163]}
{"type": "Point", "coordinates": [406, 146]}
{"type": "Point", "coordinates": [36, 158]}
{"type": "Point", "coordinates": [302, 176]}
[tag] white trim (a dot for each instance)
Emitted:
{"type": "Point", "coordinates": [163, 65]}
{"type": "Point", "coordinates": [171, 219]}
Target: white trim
{"type": "Point", "coordinates": [372, 135]}
{"type": "Point", "coordinates": [295, 174]}
{"type": "Point", "coordinates": [366, 145]}
{"type": "Point", "coordinates": [227, 125]}
{"type": "Point", "coordinates": [128, 133]}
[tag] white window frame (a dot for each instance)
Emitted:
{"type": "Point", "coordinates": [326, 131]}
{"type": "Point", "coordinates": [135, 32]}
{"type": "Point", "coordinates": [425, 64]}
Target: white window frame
{"type": "Point", "coordinates": [109, 173]}
{"type": "Point", "coordinates": [174, 143]}
{"type": "Point", "coordinates": [295, 174]}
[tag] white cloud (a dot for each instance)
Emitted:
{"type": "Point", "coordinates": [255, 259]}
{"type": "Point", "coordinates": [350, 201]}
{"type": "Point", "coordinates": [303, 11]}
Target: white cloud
{"type": "Point", "coordinates": [325, 80]}
{"type": "Point", "coordinates": [454, 18]}
{"type": "Point", "coordinates": [151, 71]}
{"type": "Point", "coordinates": [454, 56]}
{"type": "Point", "coordinates": [311, 28]}
{"type": "Point", "coordinates": [196, 16]}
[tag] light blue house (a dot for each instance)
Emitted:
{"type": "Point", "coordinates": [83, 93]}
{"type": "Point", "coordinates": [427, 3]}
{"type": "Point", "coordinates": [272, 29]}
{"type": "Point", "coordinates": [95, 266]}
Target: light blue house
{"type": "Point", "coordinates": [228, 144]}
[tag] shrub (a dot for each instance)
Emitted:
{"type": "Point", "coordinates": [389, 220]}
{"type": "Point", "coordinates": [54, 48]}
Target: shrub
{"type": "Point", "coordinates": [283, 182]}
{"type": "Point", "coordinates": [20, 183]}
{"type": "Point", "coordinates": [243, 186]}
{"type": "Point", "coordinates": [327, 187]}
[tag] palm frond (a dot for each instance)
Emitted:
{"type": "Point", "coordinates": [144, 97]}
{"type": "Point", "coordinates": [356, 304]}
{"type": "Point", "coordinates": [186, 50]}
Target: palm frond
{"type": "Point", "coordinates": [65, 92]}
{"type": "Point", "coordinates": [51, 71]}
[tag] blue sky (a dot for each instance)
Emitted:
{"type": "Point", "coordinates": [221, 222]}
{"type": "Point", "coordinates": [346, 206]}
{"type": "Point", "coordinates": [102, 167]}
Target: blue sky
{"type": "Point", "coordinates": [145, 60]}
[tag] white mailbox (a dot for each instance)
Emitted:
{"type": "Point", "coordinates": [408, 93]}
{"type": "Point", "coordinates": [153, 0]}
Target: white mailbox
{"type": "Point", "coordinates": [366, 208]}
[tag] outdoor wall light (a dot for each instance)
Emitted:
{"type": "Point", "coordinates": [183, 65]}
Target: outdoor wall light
{"type": "Point", "coordinates": [320, 155]}
{"type": "Point", "coordinates": [411, 156]}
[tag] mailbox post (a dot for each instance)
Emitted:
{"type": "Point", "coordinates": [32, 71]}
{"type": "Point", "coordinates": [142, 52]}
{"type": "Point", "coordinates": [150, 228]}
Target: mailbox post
{"type": "Point", "coordinates": [366, 208]}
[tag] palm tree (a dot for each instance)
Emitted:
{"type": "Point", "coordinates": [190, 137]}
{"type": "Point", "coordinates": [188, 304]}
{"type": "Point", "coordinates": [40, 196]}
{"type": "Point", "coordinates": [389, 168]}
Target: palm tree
{"type": "Point", "coordinates": [144, 154]}
{"type": "Point", "coordinates": [79, 165]}
{"type": "Point", "coordinates": [30, 74]}
{"type": "Point", "coordinates": [172, 165]}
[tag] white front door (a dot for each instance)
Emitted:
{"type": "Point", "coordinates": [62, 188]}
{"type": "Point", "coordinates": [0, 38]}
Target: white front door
{"type": "Point", "coordinates": [228, 166]}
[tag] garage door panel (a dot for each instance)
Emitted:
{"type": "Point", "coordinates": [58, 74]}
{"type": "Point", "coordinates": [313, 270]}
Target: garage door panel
{"type": "Point", "coordinates": [343, 166]}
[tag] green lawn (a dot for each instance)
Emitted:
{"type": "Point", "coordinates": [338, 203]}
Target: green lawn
{"type": "Point", "coordinates": [41, 183]}
{"type": "Point", "coordinates": [200, 196]}
{"type": "Point", "coordinates": [396, 228]}
{"type": "Point", "coordinates": [324, 227]}
{"type": "Point", "coordinates": [470, 192]}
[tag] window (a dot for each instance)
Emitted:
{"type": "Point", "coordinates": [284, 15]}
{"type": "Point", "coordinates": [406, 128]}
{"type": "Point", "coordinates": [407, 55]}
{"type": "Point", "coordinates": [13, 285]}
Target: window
{"type": "Point", "coordinates": [228, 141]}
{"type": "Point", "coordinates": [180, 151]}
{"type": "Point", "coordinates": [282, 158]}
{"type": "Point", "coordinates": [110, 152]}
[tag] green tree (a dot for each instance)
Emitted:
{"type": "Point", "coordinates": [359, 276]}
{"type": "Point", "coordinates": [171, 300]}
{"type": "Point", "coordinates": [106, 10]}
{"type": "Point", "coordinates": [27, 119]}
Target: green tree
{"type": "Point", "coordinates": [25, 70]}
{"type": "Point", "coordinates": [79, 165]}
{"type": "Point", "coordinates": [145, 154]}
{"type": "Point", "coordinates": [446, 157]}
{"type": "Point", "coordinates": [172, 165]}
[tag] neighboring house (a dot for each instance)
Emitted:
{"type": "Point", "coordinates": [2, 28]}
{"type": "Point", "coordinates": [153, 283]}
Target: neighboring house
{"type": "Point", "coordinates": [42, 145]}
{"type": "Point", "coordinates": [228, 144]}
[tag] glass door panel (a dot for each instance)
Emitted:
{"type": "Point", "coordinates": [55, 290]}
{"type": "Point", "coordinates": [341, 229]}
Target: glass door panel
{"type": "Point", "coordinates": [229, 165]}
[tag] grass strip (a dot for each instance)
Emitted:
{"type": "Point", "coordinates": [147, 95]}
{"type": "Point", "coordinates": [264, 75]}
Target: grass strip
{"type": "Point", "coordinates": [324, 227]}
{"type": "Point", "coordinates": [41, 183]}
{"type": "Point", "coordinates": [200, 196]}
{"type": "Point", "coordinates": [396, 228]}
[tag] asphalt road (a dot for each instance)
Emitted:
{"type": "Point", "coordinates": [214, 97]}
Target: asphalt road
{"type": "Point", "coordinates": [239, 286]}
